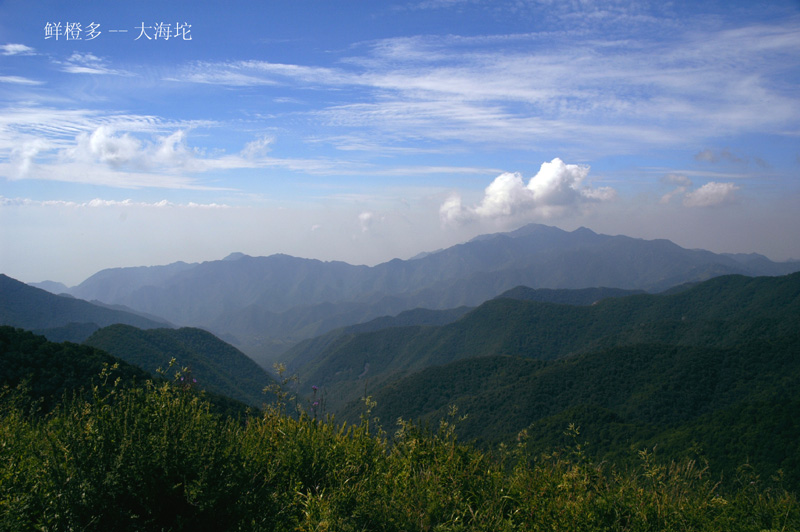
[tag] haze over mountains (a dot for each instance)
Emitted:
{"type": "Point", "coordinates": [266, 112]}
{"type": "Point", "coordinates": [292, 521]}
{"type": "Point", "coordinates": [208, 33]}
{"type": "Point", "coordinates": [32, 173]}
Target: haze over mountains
{"type": "Point", "coordinates": [61, 318]}
{"type": "Point", "coordinates": [258, 303]}
{"type": "Point", "coordinates": [642, 343]}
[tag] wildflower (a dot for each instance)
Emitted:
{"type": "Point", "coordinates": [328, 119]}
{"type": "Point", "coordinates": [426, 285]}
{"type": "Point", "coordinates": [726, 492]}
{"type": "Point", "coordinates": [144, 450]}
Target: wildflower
{"type": "Point", "coordinates": [314, 388]}
{"type": "Point", "coordinates": [315, 404]}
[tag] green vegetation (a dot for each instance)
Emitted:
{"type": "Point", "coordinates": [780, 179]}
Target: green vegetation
{"type": "Point", "coordinates": [49, 371]}
{"type": "Point", "coordinates": [155, 457]}
{"type": "Point", "coordinates": [711, 368]}
{"type": "Point", "coordinates": [734, 405]}
{"type": "Point", "coordinates": [686, 404]}
{"type": "Point", "coordinates": [722, 313]}
{"type": "Point", "coordinates": [216, 366]}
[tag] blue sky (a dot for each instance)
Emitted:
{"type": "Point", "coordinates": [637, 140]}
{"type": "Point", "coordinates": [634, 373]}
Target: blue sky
{"type": "Point", "coordinates": [364, 131]}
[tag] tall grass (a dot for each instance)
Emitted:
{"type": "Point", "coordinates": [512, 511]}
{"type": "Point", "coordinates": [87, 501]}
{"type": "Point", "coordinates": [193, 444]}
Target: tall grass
{"type": "Point", "coordinates": [156, 458]}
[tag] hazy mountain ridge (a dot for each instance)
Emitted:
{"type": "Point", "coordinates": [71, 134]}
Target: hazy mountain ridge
{"type": "Point", "coordinates": [65, 318]}
{"type": "Point", "coordinates": [578, 296]}
{"type": "Point", "coordinates": [53, 287]}
{"type": "Point", "coordinates": [253, 300]}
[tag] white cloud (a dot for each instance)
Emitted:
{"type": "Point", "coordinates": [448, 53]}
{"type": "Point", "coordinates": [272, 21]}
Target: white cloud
{"type": "Point", "coordinates": [257, 148]}
{"type": "Point", "coordinates": [166, 153]}
{"type": "Point", "coordinates": [18, 80]}
{"type": "Point", "coordinates": [101, 203]}
{"type": "Point", "coordinates": [681, 183]}
{"type": "Point", "coordinates": [105, 146]}
{"type": "Point", "coordinates": [131, 152]}
{"type": "Point", "coordinates": [556, 189]}
{"type": "Point", "coordinates": [88, 63]}
{"type": "Point", "coordinates": [576, 88]}
{"type": "Point", "coordinates": [24, 156]}
{"type": "Point", "coordinates": [366, 219]}
{"type": "Point", "coordinates": [253, 73]}
{"type": "Point", "coordinates": [16, 49]}
{"type": "Point", "coordinates": [711, 194]}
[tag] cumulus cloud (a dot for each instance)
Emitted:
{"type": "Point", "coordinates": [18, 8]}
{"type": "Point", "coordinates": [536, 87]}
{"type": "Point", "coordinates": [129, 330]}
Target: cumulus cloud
{"type": "Point", "coordinates": [105, 146]}
{"type": "Point", "coordinates": [677, 180]}
{"type": "Point", "coordinates": [123, 150]}
{"type": "Point", "coordinates": [366, 219]}
{"type": "Point", "coordinates": [127, 153]}
{"type": "Point", "coordinates": [555, 189]}
{"type": "Point", "coordinates": [171, 151]}
{"type": "Point", "coordinates": [711, 194]}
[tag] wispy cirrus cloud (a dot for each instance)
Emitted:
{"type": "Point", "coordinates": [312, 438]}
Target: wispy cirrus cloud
{"type": "Point", "coordinates": [19, 80]}
{"type": "Point", "coordinates": [101, 203]}
{"type": "Point", "coordinates": [578, 91]}
{"type": "Point", "coordinates": [88, 63]}
{"type": "Point", "coordinates": [16, 49]}
{"type": "Point", "coordinates": [253, 73]}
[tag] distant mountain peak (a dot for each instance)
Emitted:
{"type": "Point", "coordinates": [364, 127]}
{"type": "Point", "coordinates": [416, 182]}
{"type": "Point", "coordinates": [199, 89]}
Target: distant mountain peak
{"type": "Point", "coordinates": [584, 230]}
{"type": "Point", "coordinates": [51, 286]}
{"type": "Point", "coordinates": [236, 256]}
{"type": "Point", "coordinates": [534, 228]}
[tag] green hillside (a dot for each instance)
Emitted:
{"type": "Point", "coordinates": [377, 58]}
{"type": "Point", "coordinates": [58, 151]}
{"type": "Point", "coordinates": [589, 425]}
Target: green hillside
{"type": "Point", "coordinates": [640, 371]}
{"type": "Point", "coordinates": [577, 296]}
{"type": "Point", "coordinates": [217, 366]}
{"type": "Point", "coordinates": [720, 313]}
{"type": "Point", "coordinates": [49, 371]}
{"type": "Point", "coordinates": [624, 398]}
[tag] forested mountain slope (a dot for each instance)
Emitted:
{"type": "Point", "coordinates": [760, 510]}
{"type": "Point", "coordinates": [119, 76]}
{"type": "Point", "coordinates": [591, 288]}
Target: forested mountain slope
{"type": "Point", "coordinates": [50, 372]}
{"type": "Point", "coordinates": [722, 312]}
{"type": "Point", "coordinates": [217, 366]}
{"type": "Point", "coordinates": [713, 367]}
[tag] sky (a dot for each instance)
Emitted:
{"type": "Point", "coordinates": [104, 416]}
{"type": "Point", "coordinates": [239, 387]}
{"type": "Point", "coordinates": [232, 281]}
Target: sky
{"type": "Point", "coordinates": [142, 133]}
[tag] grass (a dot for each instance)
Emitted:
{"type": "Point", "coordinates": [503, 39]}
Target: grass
{"type": "Point", "coordinates": [155, 457]}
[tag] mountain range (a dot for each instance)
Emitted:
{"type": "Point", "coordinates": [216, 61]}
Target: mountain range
{"type": "Point", "coordinates": [141, 341]}
{"type": "Point", "coordinates": [642, 343]}
{"type": "Point", "coordinates": [264, 305]}
{"type": "Point", "coordinates": [61, 318]}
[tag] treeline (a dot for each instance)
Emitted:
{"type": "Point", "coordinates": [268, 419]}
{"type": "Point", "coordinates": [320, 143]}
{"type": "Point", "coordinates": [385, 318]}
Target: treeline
{"type": "Point", "coordinates": [731, 405]}
{"type": "Point", "coordinates": [155, 457]}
